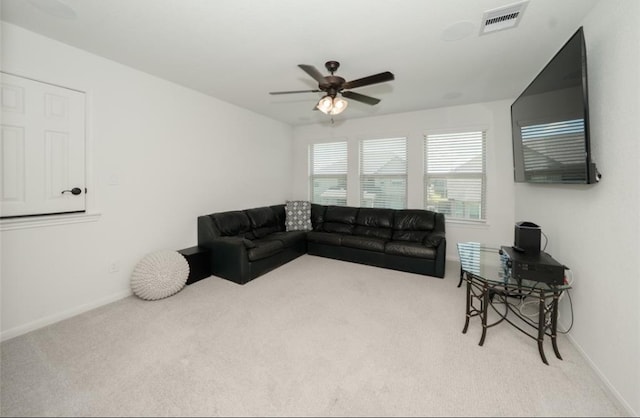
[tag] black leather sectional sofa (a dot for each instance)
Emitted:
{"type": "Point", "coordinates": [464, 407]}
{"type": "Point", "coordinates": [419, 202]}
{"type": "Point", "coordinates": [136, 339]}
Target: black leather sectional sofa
{"type": "Point", "coordinates": [245, 244]}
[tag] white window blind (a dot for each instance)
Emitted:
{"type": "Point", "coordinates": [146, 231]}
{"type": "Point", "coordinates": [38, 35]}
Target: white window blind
{"type": "Point", "coordinates": [383, 173]}
{"type": "Point", "coordinates": [455, 174]}
{"type": "Point", "coordinates": [328, 179]}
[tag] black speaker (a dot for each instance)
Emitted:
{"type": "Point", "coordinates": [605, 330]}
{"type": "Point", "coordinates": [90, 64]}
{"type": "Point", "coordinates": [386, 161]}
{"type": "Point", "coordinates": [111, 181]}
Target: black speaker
{"type": "Point", "coordinates": [527, 237]}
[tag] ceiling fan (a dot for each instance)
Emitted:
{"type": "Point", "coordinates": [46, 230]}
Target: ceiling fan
{"type": "Point", "coordinates": [333, 85]}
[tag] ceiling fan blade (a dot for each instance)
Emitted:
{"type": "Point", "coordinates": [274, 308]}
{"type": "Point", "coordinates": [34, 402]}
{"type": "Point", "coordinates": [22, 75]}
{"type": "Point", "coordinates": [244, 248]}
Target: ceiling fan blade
{"type": "Point", "coordinates": [372, 79]}
{"type": "Point", "coordinates": [294, 91]}
{"type": "Point", "coordinates": [313, 72]}
{"type": "Point", "coordinates": [361, 98]}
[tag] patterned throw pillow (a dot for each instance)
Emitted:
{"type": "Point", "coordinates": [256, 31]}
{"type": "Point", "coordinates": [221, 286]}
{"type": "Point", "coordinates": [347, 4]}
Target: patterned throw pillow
{"type": "Point", "coordinates": [298, 215]}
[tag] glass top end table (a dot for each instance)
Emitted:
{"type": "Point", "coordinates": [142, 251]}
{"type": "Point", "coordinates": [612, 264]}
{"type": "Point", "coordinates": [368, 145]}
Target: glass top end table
{"type": "Point", "coordinates": [490, 283]}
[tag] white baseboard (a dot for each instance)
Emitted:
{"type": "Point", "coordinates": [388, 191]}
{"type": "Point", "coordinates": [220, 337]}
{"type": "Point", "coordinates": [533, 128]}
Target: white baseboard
{"type": "Point", "coordinates": [605, 382]}
{"type": "Point", "coordinates": [52, 319]}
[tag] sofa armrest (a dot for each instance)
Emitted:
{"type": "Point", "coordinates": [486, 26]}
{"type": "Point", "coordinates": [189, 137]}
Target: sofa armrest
{"type": "Point", "coordinates": [230, 245]}
{"type": "Point", "coordinates": [434, 239]}
{"type": "Point", "coordinates": [228, 257]}
{"type": "Point", "coordinates": [438, 240]}
{"type": "Point", "coordinates": [207, 231]}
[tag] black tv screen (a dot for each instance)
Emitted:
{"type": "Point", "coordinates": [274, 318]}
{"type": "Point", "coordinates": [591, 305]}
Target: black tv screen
{"type": "Point", "coordinates": [550, 121]}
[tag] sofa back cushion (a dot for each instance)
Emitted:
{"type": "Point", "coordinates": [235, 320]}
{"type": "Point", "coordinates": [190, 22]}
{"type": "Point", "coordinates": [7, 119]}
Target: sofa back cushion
{"type": "Point", "coordinates": [263, 221]}
{"type": "Point", "coordinates": [413, 224]}
{"type": "Point", "coordinates": [233, 223]}
{"type": "Point", "coordinates": [340, 219]}
{"type": "Point", "coordinates": [374, 222]}
{"type": "Point", "coordinates": [317, 216]}
{"type": "Point", "coordinates": [280, 214]}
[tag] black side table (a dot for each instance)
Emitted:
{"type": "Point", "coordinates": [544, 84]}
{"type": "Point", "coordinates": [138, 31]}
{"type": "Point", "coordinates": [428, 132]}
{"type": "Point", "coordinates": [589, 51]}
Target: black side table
{"type": "Point", "coordinates": [198, 259]}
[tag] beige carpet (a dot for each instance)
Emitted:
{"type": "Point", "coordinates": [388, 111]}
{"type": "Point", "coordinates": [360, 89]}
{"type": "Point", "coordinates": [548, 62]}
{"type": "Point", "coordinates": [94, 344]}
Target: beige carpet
{"type": "Point", "coordinates": [316, 337]}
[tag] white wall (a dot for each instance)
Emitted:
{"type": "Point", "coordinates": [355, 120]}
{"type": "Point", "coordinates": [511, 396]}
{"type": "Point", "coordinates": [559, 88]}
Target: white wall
{"type": "Point", "coordinates": [494, 117]}
{"type": "Point", "coordinates": [174, 154]}
{"type": "Point", "coordinates": [594, 229]}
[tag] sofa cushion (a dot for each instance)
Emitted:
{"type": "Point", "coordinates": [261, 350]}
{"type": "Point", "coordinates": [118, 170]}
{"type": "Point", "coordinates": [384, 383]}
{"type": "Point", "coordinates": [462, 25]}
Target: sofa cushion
{"type": "Point", "coordinates": [414, 219]}
{"type": "Point", "coordinates": [410, 236]}
{"type": "Point", "coordinates": [263, 221]}
{"type": "Point", "coordinates": [374, 222]}
{"type": "Point", "coordinates": [317, 216]}
{"type": "Point", "coordinates": [298, 215]}
{"type": "Point", "coordinates": [248, 244]}
{"type": "Point", "coordinates": [289, 238]}
{"type": "Point", "coordinates": [233, 223]}
{"type": "Point", "coordinates": [340, 219]}
{"type": "Point", "coordinates": [280, 214]}
{"type": "Point", "coordinates": [330, 238]}
{"type": "Point", "coordinates": [263, 232]}
{"type": "Point", "coordinates": [337, 228]}
{"type": "Point", "coordinates": [409, 249]}
{"type": "Point", "coordinates": [363, 243]}
{"type": "Point", "coordinates": [433, 240]}
{"type": "Point", "coordinates": [341, 214]}
{"type": "Point", "coordinates": [412, 225]}
{"type": "Point", "coordinates": [375, 217]}
{"type": "Point", "coordinates": [264, 249]}
{"type": "Point", "coordinates": [365, 231]}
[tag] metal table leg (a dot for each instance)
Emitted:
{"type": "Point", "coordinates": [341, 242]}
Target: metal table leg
{"type": "Point", "coordinates": [541, 327]}
{"type": "Point", "coordinates": [468, 314]}
{"type": "Point", "coordinates": [484, 310]}
{"type": "Point", "coordinates": [554, 324]}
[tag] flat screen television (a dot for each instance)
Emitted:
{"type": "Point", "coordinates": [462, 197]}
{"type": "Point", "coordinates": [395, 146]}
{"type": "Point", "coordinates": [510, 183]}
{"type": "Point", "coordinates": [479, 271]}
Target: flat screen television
{"type": "Point", "coordinates": [550, 122]}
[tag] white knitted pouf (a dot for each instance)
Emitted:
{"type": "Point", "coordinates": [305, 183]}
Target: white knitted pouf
{"type": "Point", "coordinates": [159, 275]}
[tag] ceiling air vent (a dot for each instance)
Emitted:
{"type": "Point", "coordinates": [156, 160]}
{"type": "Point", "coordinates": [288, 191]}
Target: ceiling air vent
{"type": "Point", "coordinates": [505, 17]}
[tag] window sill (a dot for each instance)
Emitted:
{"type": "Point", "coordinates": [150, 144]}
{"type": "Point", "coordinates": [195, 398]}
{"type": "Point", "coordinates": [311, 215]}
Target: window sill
{"type": "Point", "coordinates": [47, 220]}
{"type": "Point", "coordinates": [470, 224]}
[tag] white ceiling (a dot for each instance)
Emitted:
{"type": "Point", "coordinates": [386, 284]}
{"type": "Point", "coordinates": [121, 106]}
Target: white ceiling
{"type": "Point", "coordinates": [240, 50]}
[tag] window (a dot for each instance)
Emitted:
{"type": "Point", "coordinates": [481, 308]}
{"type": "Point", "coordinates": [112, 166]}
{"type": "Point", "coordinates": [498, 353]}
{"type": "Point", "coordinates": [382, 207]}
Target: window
{"type": "Point", "coordinates": [328, 179]}
{"type": "Point", "coordinates": [455, 174]}
{"type": "Point", "coordinates": [383, 173]}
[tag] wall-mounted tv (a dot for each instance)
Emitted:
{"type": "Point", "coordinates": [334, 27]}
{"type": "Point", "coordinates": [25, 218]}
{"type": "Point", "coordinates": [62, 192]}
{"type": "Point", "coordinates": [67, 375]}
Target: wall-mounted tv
{"type": "Point", "coordinates": [550, 122]}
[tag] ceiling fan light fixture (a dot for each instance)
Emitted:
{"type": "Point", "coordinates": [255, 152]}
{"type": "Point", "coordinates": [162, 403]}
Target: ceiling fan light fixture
{"type": "Point", "coordinates": [325, 105]}
{"type": "Point", "coordinates": [339, 104]}
{"type": "Point", "coordinates": [332, 105]}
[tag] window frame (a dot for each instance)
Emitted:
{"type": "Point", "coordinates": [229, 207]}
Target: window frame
{"type": "Point", "coordinates": [402, 176]}
{"type": "Point", "coordinates": [341, 178]}
{"type": "Point", "coordinates": [482, 175]}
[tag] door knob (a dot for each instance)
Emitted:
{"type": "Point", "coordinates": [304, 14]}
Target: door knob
{"type": "Point", "coordinates": [74, 191]}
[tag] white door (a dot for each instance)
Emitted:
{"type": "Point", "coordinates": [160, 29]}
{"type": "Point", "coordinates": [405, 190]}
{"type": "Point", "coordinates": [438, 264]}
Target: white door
{"type": "Point", "coordinates": [42, 148]}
